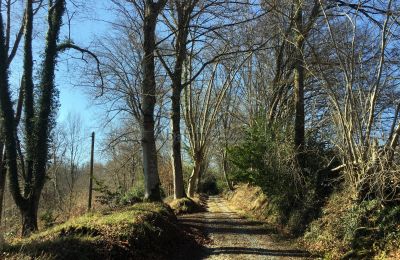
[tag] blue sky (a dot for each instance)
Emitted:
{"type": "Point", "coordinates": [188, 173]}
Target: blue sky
{"type": "Point", "coordinates": [87, 25]}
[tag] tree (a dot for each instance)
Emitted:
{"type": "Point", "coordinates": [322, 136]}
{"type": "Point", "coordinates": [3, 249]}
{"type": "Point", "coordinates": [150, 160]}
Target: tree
{"type": "Point", "coordinates": [357, 81]}
{"type": "Point", "coordinates": [301, 31]}
{"type": "Point", "coordinates": [37, 129]}
{"type": "Point", "coordinates": [27, 165]}
{"type": "Point", "coordinates": [150, 168]}
{"type": "Point", "coordinates": [183, 11]}
{"type": "Point", "coordinates": [201, 108]}
{"type": "Point", "coordinates": [11, 50]}
{"type": "Point", "coordinates": [3, 173]}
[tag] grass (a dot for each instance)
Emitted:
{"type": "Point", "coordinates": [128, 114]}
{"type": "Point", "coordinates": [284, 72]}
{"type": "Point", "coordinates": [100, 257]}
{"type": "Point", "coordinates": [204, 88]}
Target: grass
{"type": "Point", "coordinates": [141, 231]}
{"type": "Point", "coordinates": [188, 205]}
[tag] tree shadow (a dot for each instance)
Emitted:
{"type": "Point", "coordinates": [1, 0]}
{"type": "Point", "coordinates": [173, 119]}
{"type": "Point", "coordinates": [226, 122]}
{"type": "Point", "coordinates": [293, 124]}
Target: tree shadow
{"type": "Point", "coordinates": [258, 251]}
{"type": "Point", "coordinates": [222, 222]}
{"type": "Point", "coordinates": [229, 223]}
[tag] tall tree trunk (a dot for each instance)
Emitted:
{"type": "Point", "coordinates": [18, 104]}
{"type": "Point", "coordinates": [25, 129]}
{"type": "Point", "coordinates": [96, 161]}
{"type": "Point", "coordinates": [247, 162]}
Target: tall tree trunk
{"type": "Point", "coordinates": [28, 201]}
{"type": "Point", "coordinates": [150, 166]}
{"type": "Point", "coordinates": [194, 177]}
{"type": "Point", "coordinates": [179, 190]}
{"type": "Point", "coordinates": [225, 169]}
{"type": "Point", "coordinates": [27, 88]}
{"type": "Point", "coordinates": [29, 216]}
{"type": "Point", "coordinates": [299, 83]}
{"type": "Point", "coordinates": [3, 172]}
{"type": "Point", "coordinates": [200, 175]}
{"type": "Point", "coordinates": [184, 9]}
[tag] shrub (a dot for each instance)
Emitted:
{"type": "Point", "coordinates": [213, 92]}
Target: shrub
{"type": "Point", "coordinates": [134, 195]}
{"type": "Point", "coordinates": [48, 218]}
{"type": "Point", "coordinates": [266, 157]}
{"type": "Point", "coordinates": [354, 230]}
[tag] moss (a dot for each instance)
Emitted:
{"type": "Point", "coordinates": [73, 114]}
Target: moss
{"type": "Point", "coordinates": [142, 231]}
{"type": "Point", "coordinates": [186, 206]}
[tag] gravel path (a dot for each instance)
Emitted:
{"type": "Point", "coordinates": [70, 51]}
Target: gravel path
{"type": "Point", "coordinates": [234, 237]}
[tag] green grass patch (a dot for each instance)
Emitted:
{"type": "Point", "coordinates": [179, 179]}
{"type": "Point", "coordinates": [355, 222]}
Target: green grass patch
{"type": "Point", "coordinates": [141, 231]}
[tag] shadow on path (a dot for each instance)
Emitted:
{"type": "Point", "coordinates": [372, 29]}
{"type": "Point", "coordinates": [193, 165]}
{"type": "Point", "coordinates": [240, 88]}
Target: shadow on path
{"type": "Point", "coordinates": [258, 251]}
{"type": "Point", "coordinates": [231, 236]}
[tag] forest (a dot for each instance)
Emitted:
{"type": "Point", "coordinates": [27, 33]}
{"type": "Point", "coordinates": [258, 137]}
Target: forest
{"type": "Point", "coordinates": [275, 124]}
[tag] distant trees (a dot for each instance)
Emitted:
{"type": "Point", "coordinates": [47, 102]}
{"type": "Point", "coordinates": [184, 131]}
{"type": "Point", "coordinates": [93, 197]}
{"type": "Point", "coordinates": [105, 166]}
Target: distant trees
{"type": "Point", "coordinates": [65, 168]}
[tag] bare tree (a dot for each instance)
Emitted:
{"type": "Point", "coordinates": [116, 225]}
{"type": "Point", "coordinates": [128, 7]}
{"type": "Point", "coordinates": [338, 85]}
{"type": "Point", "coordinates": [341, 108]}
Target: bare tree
{"type": "Point", "coordinates": [152, 181]}
{"type": "Point", "coordinates": [183, 10]}
{"type": "Point", "coordinates": [201, 108]}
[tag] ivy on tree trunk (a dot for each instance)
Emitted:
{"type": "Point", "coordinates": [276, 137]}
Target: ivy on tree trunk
{"type": "Point", "coordinates": [38, 117]}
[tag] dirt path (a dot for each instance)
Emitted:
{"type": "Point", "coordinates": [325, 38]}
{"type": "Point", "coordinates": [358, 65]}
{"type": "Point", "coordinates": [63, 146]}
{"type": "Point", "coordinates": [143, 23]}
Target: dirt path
{"type": "Point", "coordinates": [234, 237]}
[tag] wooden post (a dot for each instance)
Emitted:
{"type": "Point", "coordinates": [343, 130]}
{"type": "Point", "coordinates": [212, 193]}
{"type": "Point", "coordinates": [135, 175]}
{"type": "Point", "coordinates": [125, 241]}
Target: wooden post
{"type": "Point", "coordinates": [91, 174]}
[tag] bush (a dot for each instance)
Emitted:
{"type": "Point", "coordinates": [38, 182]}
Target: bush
{"type": "Point", "coordinates": [267, 158]}
{"type": "Point", "coordinates": [134, 195]}
{"type": "Point", "coordinates": [48, 218]}
{"type": "Point", "coordinates": [354, 230]}
{"type": "Point", "coordinates": [118, 198]}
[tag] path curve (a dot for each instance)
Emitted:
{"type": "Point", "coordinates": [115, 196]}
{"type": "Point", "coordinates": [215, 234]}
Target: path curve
{"type": "Point", "coordinates": [234, 237]}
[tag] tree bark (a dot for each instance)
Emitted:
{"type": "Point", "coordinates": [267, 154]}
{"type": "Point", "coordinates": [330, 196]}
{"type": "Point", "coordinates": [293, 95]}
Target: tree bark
{"type": "Point", "coordinates": [179, 190]}
{"type": "Point", "coordinates": [225, 169]}
{"type": "Point", "coordinates": [184, 10]}
{"type": "Point", "coordinates": [3, 172]}
{"type": "Point", "coordinates": [194, 177]}
{"type": "Point", "coordinates": [150, 166]}
{"type": "Point", "coordinates": [193, 180]}
{"type": "Point", "coordinates": [29, 216]}
{"type": "Point", "coordinates": [299, 83]}
{"type": "Point", "coordinates": [200, 175]}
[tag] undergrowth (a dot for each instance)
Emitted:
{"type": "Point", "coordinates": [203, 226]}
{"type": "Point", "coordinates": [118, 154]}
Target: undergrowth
{"type": "Point", "coordinates": [350, 229]}
{"type": "Point", "coordinates": [141, 231]}
{"type": "Point", "coordinates": [267, 158]}
{"type": "Point", "coordinates": [187, 205]}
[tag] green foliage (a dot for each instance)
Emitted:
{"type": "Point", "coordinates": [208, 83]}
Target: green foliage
{"type": "Point", "coordinates": [118, 198]}
{"type": "Point", "coordinates": [134, 195]}
{"type": "Point", "coordinates": [262, 159]}
{"type": "Point", "coordinates": [48, 218]}
{"type": "Point", "coordinates": [106, 197]}
{"type": "Point", "coordinates": [266, 157]}
{"type": "Point", "coordinates": [354, 230]}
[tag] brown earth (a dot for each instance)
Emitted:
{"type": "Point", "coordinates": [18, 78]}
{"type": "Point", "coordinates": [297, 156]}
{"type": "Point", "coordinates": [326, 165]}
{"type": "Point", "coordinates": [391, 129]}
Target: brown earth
{"type": "Point", "coordinates": [231, 236]}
